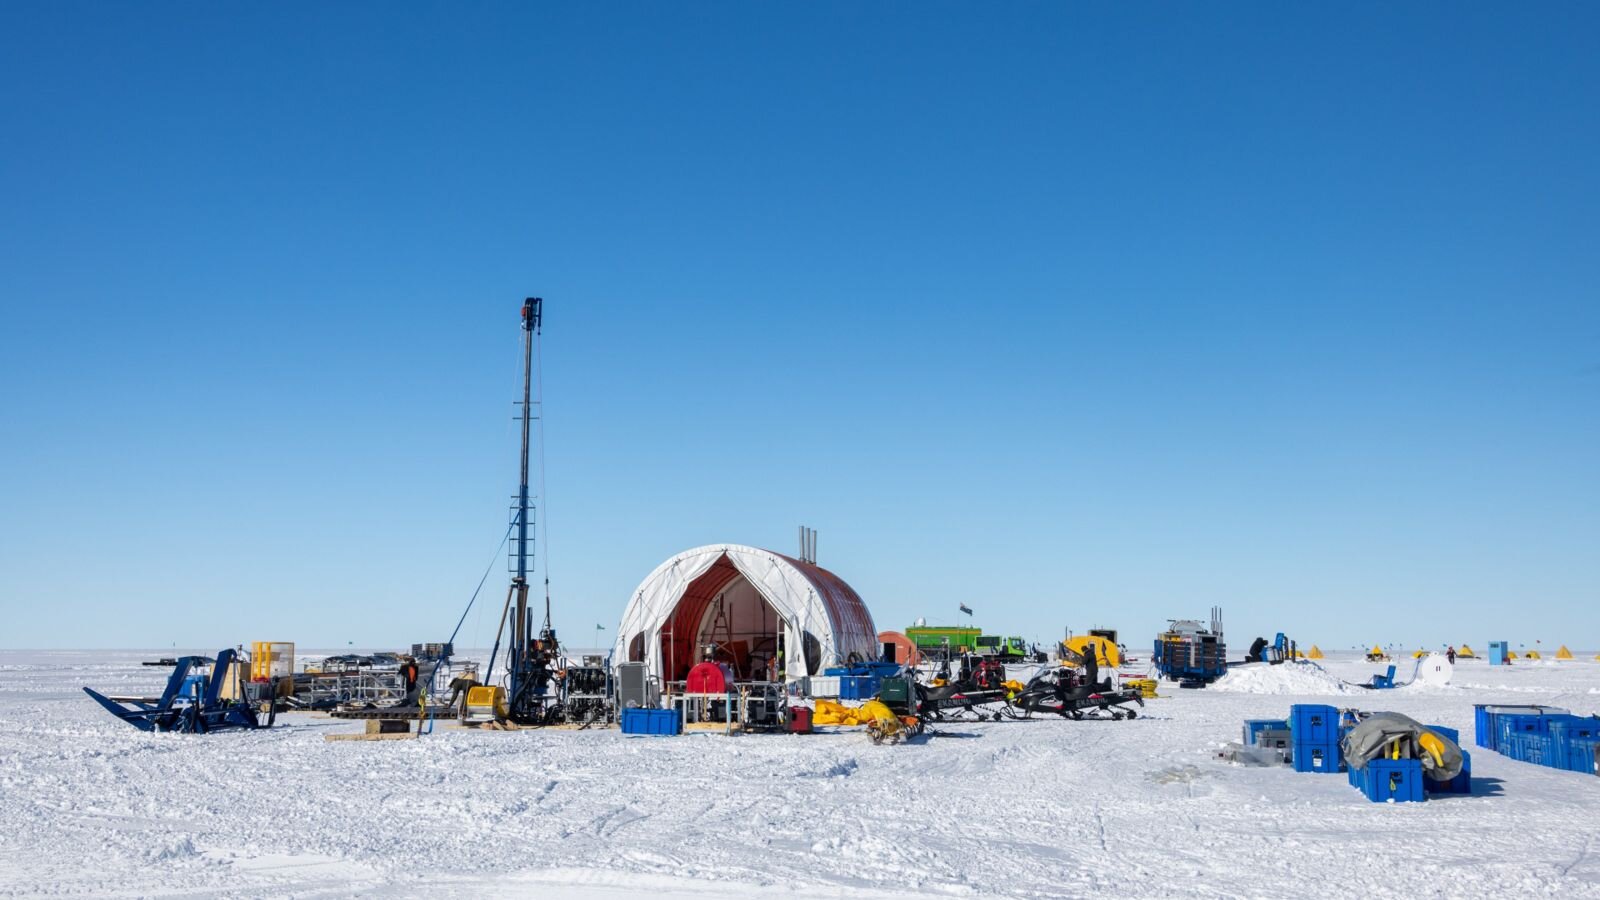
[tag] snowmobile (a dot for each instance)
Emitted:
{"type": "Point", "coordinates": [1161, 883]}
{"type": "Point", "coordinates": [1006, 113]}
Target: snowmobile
{"type": "Point", "coordinates": [1058, 690]}
{"type": "Point", "coordinates": [957, 698]}
{"type": "Point", "coordinates": [984, 686]}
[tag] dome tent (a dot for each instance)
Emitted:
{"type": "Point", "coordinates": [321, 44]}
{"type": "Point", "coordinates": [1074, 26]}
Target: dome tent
{"type": "Point", "coordinates": [750, 604]}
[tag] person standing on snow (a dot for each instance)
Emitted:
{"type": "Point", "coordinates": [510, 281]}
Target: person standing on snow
{"type": "Point", "coordinates": [408, 676]}
{"type": "Point", "coordinates": [1450, 654]}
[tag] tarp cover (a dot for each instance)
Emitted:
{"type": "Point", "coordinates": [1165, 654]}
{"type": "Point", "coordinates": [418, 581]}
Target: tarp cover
{"type": "Point", "coordinates": [809, 600]}
{"type": "Point", "coordinates": [1371, 739]}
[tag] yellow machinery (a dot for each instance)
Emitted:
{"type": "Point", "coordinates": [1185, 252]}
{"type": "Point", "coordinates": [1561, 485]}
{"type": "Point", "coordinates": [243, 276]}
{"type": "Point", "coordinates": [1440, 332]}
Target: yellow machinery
{"type": "Point", "coordinates": [484, 704]}
{"type": "Point", "coordinates": [271, 659]}
{"type": "Point", "coordinates": [1105, 651]}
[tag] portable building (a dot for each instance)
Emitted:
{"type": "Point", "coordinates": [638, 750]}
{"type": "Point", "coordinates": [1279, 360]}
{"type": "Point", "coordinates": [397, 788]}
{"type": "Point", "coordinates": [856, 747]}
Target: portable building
{"type": "Point", "coordinates": [763, 614]}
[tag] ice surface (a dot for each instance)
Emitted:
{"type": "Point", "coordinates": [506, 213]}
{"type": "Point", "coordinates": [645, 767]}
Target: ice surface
{"type": "Point", "coordinates": [1029, 809]}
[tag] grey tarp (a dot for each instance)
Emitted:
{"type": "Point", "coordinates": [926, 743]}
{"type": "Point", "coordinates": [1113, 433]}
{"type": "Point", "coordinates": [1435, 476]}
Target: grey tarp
{"type": "Point", "coordinates": [1372, 737]}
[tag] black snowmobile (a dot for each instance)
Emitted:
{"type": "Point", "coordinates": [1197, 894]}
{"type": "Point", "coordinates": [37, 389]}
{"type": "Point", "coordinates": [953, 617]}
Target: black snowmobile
{"type": "Point", "coordinates": [983, 687]}
{"type": "Point", "coordinates": [1059, 690]}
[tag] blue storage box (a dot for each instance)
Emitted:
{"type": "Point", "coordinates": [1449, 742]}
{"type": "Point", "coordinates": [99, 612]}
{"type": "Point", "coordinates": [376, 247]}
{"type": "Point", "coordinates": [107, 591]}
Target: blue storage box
{"type": "Point", "coordinates": [1564, 728]}
{"type": "Point", "coordinates": [1573, 754]}
{"type": "Point", "coordinates": [1312, 723]}
{"type": "Point", "coordinates": [1253, 727]}
{"type": "Point", "coordinates": [1538, 749]}
{"type": "Point", "coordinates": [847, 688]}
{"type": "Point", "coordinates": [850, 686]}
{"type": "Point", "coordinates": [1461, 784]}
{"type": "Point", "coordinates": [1579, 755]}
{"type": "Point", "coordinates": [1488, 716]}
{"type": "Point", "coordinates": [1523, 724]}
{"type": "Point", "coordinates": [1399, 780]}
{"type": "Point", "coordinates": [651, 721]}
{"type": "Point", "coordinates": [1322, 759]}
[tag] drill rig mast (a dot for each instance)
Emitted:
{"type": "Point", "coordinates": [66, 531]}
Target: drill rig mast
{"type": "Point", "coordinates": [529, 660]}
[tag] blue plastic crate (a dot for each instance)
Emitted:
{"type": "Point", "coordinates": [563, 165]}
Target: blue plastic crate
{"type": "Point", "coordinates": [1579, 755]}
{"type": "Point", "coordinates": [850, 686]}
{"type": "Point", "coordinates": [651, 721]}
{"type": "Point", "coordinates": [1321, 759]}
{"type": "Point", "coordinates": [1483, 733]}
{"type": "Point", "coordinates": [1523, 724]}
{"type": "Point", "coordinates": [1488, 717]}
{"type": "Point", "coordinates": [1572, 754]}
{"type": "Point", "coordinates": [1398, 780]}
{"type": "Point", "coordinates": [1564, 728]}
{"type": "Point", "coordinates": [1461, 784]}
{"type": "Point", "coordinates": [1253, 727]}
{"type": "Point", "coordinates": [1538, 749]}
{"type": "Point", "coordinates": [1312, 723]}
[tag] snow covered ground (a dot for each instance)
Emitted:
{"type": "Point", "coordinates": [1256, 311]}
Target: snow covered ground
{"type": "Point", "coordinates": [1040, 808]}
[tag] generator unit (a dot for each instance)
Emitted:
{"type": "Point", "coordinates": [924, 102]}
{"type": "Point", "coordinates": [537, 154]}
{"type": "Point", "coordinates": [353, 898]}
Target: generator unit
{"type": "Point", "coordinates": [636, 687]}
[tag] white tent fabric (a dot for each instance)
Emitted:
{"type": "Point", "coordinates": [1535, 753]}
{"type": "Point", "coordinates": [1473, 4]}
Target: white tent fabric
{"type": "Point", "coordinates": [809, 600]}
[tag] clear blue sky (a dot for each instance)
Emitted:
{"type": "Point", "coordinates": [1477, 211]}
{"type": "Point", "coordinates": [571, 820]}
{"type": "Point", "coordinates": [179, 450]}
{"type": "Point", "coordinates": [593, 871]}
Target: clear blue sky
{"type": "Point", "coordinates": [1076, 313]}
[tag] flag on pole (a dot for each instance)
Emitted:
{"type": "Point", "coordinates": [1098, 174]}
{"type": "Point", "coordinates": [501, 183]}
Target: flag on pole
{"type": "Point", "coordinates": [966, 609]}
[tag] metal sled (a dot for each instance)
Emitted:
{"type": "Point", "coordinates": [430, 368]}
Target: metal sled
{"type": "Point", "coordinates": [191, 703]}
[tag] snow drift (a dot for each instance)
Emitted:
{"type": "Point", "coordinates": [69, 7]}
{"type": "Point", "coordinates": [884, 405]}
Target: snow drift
{"type": "Point", "coordinates": [1289, 678]}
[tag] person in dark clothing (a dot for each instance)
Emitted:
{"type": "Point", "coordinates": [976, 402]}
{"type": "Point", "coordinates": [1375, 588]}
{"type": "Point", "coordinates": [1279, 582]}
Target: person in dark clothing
{"type": "Point", "coordinates": [1257, 647]}
{"type": "Point", "coordinates": [409, 674]}
{"type": "Point", "coordinates": [1450, 654]}
{"type": "Point", "coordinates": [1091, 668]}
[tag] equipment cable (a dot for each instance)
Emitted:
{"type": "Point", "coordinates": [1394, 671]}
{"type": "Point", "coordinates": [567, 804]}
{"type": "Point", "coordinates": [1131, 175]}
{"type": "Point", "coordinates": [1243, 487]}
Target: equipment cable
{"type": "Point", "coordinates": [481, 581]}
